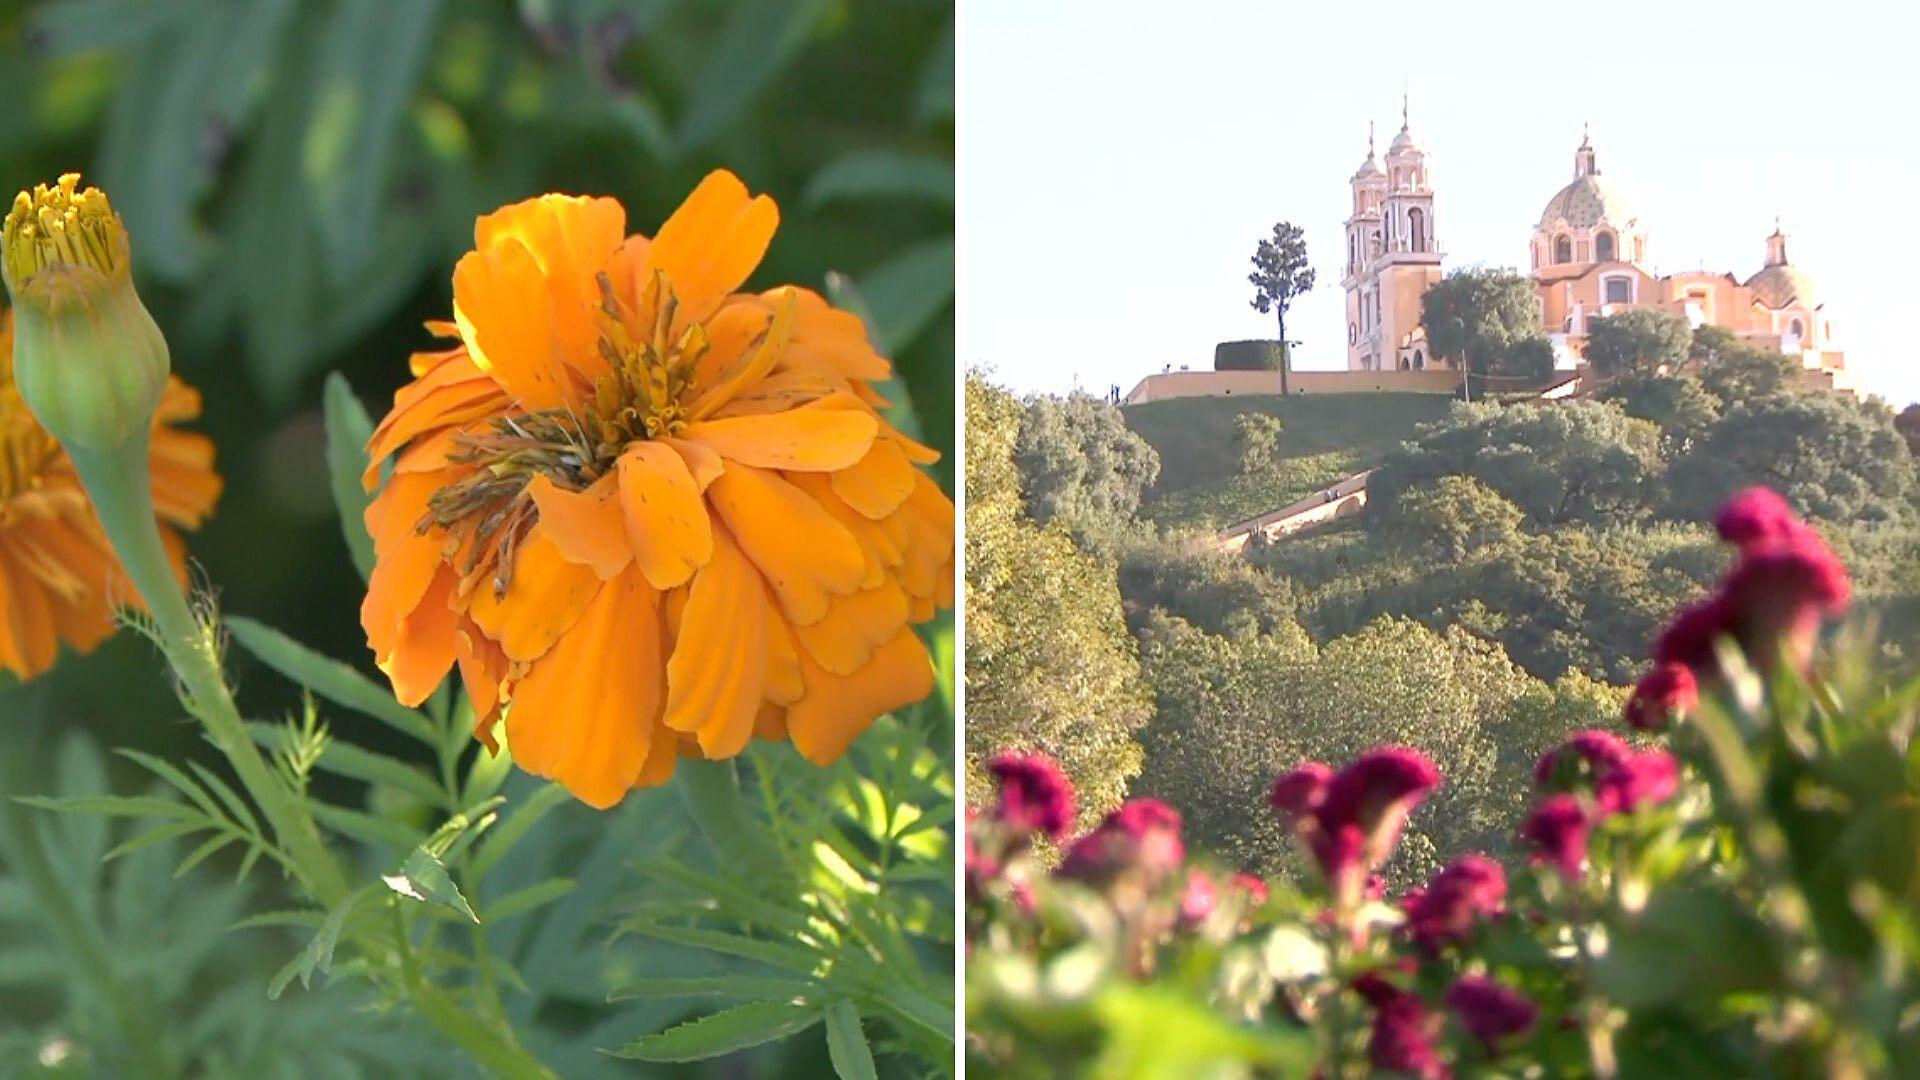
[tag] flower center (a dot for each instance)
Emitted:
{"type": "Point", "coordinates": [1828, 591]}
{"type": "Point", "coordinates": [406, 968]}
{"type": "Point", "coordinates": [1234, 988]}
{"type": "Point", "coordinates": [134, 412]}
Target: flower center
{"type": "Point", "coordinates": [643, 396]}
{"type": "Point", "coordinates": [61, 226]}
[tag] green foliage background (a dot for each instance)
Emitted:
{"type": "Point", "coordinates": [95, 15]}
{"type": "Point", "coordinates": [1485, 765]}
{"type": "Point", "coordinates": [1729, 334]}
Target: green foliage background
{"type": "Point", "coordinates": [299, 177]}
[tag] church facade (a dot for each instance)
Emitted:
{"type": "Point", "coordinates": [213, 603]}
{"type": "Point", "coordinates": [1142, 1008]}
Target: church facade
{"type": "Point", "coordinates": [1589, 257]}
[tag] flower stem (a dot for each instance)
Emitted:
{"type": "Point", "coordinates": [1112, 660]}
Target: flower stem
{"type": "Point", "coordinates": [120, 484]}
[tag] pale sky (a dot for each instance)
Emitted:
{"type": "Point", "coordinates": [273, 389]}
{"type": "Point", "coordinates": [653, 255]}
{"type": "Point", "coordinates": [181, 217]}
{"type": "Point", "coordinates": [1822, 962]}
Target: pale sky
{"type": "Point", "coordinates": [1119, 159]}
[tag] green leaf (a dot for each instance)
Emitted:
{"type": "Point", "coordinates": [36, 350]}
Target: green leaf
{"type": "Point", "coordinates": [154, 836]}
{"type": "Point", "coordinates": [881, 174]}
{"type": "Point", "coordinates": [523, 900]}
{"type": "Point", "coordinates": [331, 679]}
{"type": "Point", "coordinates": [424, 877]}
{"type": "Point", "coordinates": [758, 987]}
{"type": "Point", "coordinates": [759, 40]}
{"type": "Point", "coordinates": [365, 827]}
{"type": "Point", "coordinates": [114, 805]}
{"type": "Point", "coordinates": [345, 759]}
{"type": "Point", "coordinates": [908, 291]}
{"type": "Point", "coordinates": [847, 1044]}
{"type": "Point", "coordinates": [513, 827]}
{"type": "Point", "coordinates": [202, 853]}
{"type": "Point", "coordinates": [724, 1032]}
{"type": "Point", "coordinates": [348, 429]}
{"type": "Point", "coordinates": [933, 101]}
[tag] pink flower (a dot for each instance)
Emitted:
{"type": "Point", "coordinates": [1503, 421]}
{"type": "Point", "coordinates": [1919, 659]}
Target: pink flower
{"type": "Point", "coordinates": [1199, 899]}
{"type": "Point", "coordinates": [1755, 515]}
{"type": "Point", "coordinates": [1143, 836]}
{"type": "Point", "coordinates": [1035, 796]}
{"type": "Point", "coordinates": [1646, 778]}
{"type": "Point", "coordinates": [1254, 886]}
{"type": "Point", "coordinates": [1402, 1040]}
{"type": "Point", "coordinates": [1585, 756]}
{"type": "Point", "coordinates": [1668, 691]}
{"type": "Point", "coordinates": [1558, 827]}
{"type": "Point", "coordinates": [1455, 900]}
{"type": "Point", "coordinates": [1300, 791]}
{"type": "Point", "coordinates": [1689, 639]}
{"type": "Point", "coordinates": [1490, 1011]}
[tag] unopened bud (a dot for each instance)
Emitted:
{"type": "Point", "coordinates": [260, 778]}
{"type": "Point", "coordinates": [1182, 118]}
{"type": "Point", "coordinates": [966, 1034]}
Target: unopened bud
{"type": "Point", "coordinates": [88, 358]}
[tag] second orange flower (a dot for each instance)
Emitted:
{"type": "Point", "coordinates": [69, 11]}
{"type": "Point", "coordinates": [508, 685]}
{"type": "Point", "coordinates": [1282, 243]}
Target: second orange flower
{"type": "Point", "coordinates": [648, 516]}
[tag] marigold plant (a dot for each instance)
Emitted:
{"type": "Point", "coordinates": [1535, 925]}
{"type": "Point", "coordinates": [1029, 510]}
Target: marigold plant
{"type": "Point", "coordinates": [648, 515]}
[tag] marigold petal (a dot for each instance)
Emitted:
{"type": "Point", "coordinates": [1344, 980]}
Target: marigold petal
{"type": "Point", "coordinates": [423, 647]}
{"type": "Point", "coordinates": [878, 483]}
{"type": "Point", "coordinates": [805, 555]}
{"type": "Point", "coordinates": [546, 596]}
{"type": "Point", "coordinates": [854, 627]}
{"type": "Point", "coordinates": [572, 238]}
{"type": "Point", "coordinates": [585, 713]}
{"type": "Point", "coordinates": [747, 370]}
{"type": "Point", "coordinates": [716, 678]}
{"type": "Point", "coordinates": [712, 243]}
{"type": "Point", "coordinates": [784, 681]}
{"type": "Point", "coordinates": [702, 461]}
{"type": "Point", "coordinates": [507, 337]}
{"type": "Point", "coordinates": [483, 668]}
{"type": "Point", "coordinates": [587, 526]}
{"type": "Point", "coordinates": [402, 576]}
{"type": "Point", "coordinates": [666, 520]}
{"type": "Point", "coordinates": [805, 440]}
{"type": "Point", "coordinates": [832, 341]}
{"type": "Point", "coordinates": [837, 708]}
{"type": "Point", "coordinates": [28, 645]}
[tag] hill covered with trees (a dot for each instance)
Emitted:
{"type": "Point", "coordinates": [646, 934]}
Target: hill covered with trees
{"type": "Point", "coordinates": [1499, 592]}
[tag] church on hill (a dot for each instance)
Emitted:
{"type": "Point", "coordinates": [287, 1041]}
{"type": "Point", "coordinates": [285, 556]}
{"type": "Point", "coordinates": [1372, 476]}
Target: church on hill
{"type": "Point", "coordinates": [1589, 256]}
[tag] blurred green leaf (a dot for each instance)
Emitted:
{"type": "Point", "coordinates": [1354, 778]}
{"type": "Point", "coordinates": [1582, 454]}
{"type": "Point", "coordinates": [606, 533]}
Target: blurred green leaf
{"type": "Point", "coordinates": [881, 174]}
{"type": "Point", "coordinates": [906, 292]}
{"type": "Point", "coordinates": [724, 1032]}
{"type": "Point", "coordinates": [760, 39]}
{"type": "Point", "coordinates": [933, 101]}
{"type": "Point", "coordinates": [847, 1044]}
{"type": "Point", "coordinates": [348, 430]}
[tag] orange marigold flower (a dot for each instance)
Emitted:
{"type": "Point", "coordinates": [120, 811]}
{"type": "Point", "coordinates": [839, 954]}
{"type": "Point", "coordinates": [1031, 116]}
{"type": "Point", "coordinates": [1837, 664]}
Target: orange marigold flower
{"type": "Point", "coordinates": [59, 579]}
{"type": "Point", "coordinates": [645, 514]}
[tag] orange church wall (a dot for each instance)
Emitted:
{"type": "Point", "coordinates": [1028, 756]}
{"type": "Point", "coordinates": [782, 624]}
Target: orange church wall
{"type": "Point", "coordinates": [1178, 384]}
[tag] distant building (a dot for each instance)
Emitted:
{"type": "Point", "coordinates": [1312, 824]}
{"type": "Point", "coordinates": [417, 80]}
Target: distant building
{"type": "Point", "coordinates": [1393, 257]}
{"type": "Point", "coordinates": [1589, 255]}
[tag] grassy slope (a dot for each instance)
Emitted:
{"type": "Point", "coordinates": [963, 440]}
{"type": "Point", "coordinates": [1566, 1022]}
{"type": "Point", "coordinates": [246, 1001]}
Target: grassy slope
{"type": "Point", "coordinates": [1325, 437]}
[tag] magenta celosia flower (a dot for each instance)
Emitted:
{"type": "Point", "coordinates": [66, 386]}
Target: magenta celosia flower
{"type": "Point", "coordinates": [1649, 777]}
{"type": "Point", "coordinates": [1198, 899]}
{"type": "Point", "coordinates": [1755, 515]}
{"type": "Point", "coordinates": [1300, 790]}
{"type": "Point", "coordinates": [1689, 639]}
{"type": "Point", "coordinates": [1469, 889]}
{"type": "Point", "coordinates": [1253, 885]}
{"type": "Point", "coordinates": [1583, 758]}
{"type": "Point", "coordinates": [1558, 828]}
{"type": "Point", "coordinates": [1667, 691]}
{"type": "Point", "coordinates": [1402, 1040]}
{"type": "Point", "coordinates": [1490, 1011]}
{"type": "Point", "coordinates": [1142, 836]}
{"type": "Point", "coordinates": [1035, 796]}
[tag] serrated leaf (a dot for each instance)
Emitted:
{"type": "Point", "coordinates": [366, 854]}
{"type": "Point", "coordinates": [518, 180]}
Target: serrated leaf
{"type": "Point", "coordinates": [881, 174]}
{"type": "Point", "coordinates": [715, 986]}
{"type": "Point", "coordinates": [348, 429]}
{"type": "Point", "coordinates": [114, 805]}
{"type": "Point", "coordinates": [331, 679]}
{"type": "Point", "coordinates": [724, 1032]}
{"type": "Point", "coordinates": [202, 853]}
{"type": "Point", "coordinates": [425, 878]}
{"type": "Point", "coordinates": [847, 1044]}
{"type": "Point", "coordinates": [152, 837]}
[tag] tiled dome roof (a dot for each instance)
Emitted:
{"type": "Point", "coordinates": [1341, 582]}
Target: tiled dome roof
{"type": "Point", "coordinates": [1783, 286]}
{"type": "Point", "coordinates": [1587, 202]}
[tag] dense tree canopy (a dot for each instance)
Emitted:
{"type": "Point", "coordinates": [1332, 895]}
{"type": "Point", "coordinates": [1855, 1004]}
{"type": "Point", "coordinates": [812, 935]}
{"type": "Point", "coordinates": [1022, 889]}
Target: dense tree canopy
{"type": "Point", "coordinates": [1079, 461]}
{"type": "Point", "coordinates": [1454, 517]}
{"type": "Point", "coordinates": [1578, 461]}
{"type": "Point", "coordinates": [1256, 443]}
{"type": "Point", "coordinates": [1486, 317]}
{"type": "Point", "coordinates": [1833, 457]}
{"type": "Point", "coordinates": [1638, 341]}
{"type": "Point", "coordinates": [1050, 665]}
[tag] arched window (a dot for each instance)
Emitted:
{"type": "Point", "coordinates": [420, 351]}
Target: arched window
{"type": "Point", "coordinates": [1798, 328]}
{"type": "Point", "coordinates": [1417, 229]}
{"type": "Point", "coordinates": [1376, 241]}
{"type": "Point", "coordinates": [1404, 365]}
{"type": "Point", "coordinates": [1603, 247]}
{"type": "Point", "coordinates": [1353, 333]}
{"type": "Point", "coordinates": [1562, 250]}
{"type": "Point", "coordinates": [1353, 251]}
{"type": "Point", "coordinates": [1419, 360]}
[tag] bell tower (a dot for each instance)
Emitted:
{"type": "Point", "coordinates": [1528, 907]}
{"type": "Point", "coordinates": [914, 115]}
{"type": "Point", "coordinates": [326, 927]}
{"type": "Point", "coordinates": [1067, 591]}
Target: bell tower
{"type": "Point", "coordinates": [1393, 256]}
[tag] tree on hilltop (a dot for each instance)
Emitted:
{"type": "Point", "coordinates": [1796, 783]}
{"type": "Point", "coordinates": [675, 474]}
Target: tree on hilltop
{"type": "Point", "coordinates": [1487, 321]}
{"type": "Point", "coordinates": [1280, 274]}
{"type": "Point", "coordinates": [1639, 341]}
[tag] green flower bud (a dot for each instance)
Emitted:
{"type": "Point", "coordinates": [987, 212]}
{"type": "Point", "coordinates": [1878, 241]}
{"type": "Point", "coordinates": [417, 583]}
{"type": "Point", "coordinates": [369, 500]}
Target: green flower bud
{"type": "Point", "coordinates": [88, 358]}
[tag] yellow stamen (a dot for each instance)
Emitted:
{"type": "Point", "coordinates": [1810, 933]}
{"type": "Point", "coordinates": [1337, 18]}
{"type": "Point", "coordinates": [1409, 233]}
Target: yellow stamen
{"type": "Point", "coordinates": [63, 226]}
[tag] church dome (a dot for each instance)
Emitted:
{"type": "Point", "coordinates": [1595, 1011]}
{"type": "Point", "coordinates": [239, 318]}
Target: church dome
{"type": "Point", "coordinates": [1403, 143]}
{"type": "Point", "coordinates": [1368, 168]}
{"type": "Point", "coordinates": [1587, 202]}
{"type": "Point", "coordinates": [1783, 286]}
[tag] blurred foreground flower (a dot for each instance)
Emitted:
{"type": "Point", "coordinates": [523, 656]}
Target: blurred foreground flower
{"type": "Point", "coordinates": [649, 516]}
{"type": "Point", "coordinates": [93, 372]}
